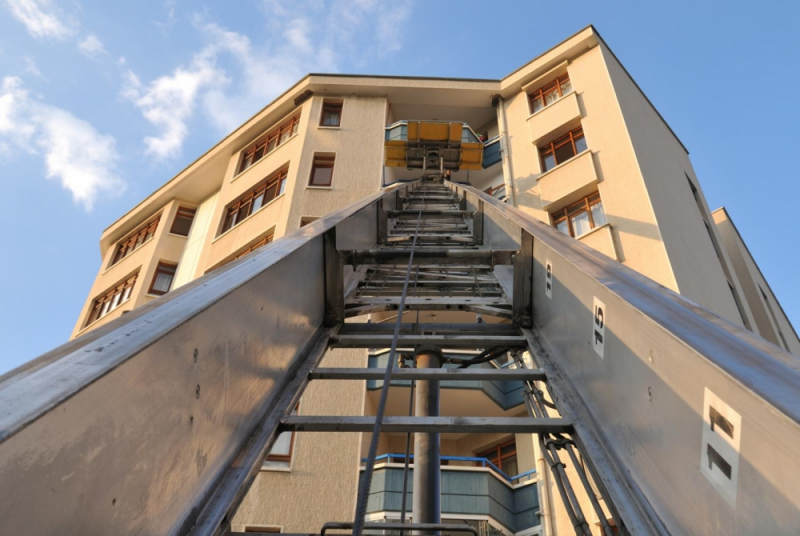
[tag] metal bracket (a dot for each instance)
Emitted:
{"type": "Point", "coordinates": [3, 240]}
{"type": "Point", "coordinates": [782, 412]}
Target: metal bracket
{"type": "Point", "coordinates": [334, 280]}
{"type": "Point", "coordinates": [522, 306]}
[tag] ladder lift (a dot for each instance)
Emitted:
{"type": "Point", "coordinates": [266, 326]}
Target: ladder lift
{"type": "Point", "coordinates": [158, 422]}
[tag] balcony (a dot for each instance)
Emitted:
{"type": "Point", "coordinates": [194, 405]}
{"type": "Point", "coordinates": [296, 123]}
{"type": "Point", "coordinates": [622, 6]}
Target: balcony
{"type": "Point", "coordinates": [475, 490]}
{"type": "Point", "coordinates": [601, 239]}
{"type": "Point", "coordinates": [568, 182]}
{"type": "Point", "coordinates": [553, 118]}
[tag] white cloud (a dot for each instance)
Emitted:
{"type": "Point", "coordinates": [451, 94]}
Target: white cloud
{"type": "Point", "coordinates": [168, 102]}
{"type": "Point", "coordinates": [31, 67]}
{"type": "Point", "coordinates": [231, 78]}
{"type": "Point", "coordinates": [91, 47]}
{"type": "Point", "coordinates": [41, 18]}
{"type": "Point", "coordinates": [82, 159]}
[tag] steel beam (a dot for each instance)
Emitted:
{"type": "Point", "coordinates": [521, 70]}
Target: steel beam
{"type": "Point", "coordinates": [334, 280]}
{"type": "Point", "coordinates": [466, 374]}
{"type": "Point", "coordinates": [452, 425]}
{"type": "Point", "coordinates": [430, 256]}
{"type": "Point", "coordinates": [445, 341]}
{"type": "Point", "coordinates": [427, 495]}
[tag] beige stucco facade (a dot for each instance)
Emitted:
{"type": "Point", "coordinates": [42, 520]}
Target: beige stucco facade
{"type": "Point", "coordinates": [657, 223]}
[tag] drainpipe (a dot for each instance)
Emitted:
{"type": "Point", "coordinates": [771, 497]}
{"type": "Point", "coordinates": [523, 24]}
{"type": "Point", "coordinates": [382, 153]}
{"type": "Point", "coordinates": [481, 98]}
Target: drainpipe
{"type": "Point", "coordinates": [508, 178]}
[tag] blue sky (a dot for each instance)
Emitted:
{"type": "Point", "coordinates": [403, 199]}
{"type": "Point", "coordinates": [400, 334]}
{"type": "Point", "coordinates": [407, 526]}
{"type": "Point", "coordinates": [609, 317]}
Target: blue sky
{"type": "Point", "coordinates": [102, 102]}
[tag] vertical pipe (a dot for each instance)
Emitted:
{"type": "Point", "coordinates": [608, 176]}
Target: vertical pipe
{"type": "Point", "coordinates": [427, 473]}
{"type": "Point", "coordinates": [508, 177]}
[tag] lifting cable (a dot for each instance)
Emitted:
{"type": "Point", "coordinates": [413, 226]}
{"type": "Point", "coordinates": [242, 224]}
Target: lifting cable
{"type": "Point", "coordinates": [364, 486]}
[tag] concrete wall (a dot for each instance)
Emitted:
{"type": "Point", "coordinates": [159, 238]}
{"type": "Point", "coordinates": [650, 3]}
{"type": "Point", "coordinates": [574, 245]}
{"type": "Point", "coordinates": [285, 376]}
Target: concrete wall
{"type": "Point", "coordinates": [163, 246]}
{"type": "Point", "coordinates": [664, 165]}
{"type": "Point", "coordinates": [637, 240]}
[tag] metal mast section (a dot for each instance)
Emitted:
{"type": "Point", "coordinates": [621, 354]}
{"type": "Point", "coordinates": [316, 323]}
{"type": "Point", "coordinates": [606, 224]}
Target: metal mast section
{"type": "Point", "coordinates": [639, 397]}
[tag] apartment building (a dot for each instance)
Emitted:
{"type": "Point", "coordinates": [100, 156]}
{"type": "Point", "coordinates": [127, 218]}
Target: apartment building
{"type": "Point", "coordinates": [568, 138]}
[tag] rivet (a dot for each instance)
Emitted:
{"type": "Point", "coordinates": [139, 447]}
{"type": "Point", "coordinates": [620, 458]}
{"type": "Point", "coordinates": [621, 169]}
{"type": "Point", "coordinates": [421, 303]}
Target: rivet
{"type": "Point", "coordinates": [651, 357]}
{"type": "Point", "coordinates": [195, 355]}
{"type": "Point", "coordinates": [650, 394]}
{"type": "Point", "coordinates": [113, 502]}
{"type": "Point", "coordinates": [197, 392]}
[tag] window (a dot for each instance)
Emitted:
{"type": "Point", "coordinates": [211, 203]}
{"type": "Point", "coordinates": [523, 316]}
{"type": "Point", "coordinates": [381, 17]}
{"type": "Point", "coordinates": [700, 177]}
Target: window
{"type": "Point", "coordinates": [581, 217]}
{"type": "Point", "coordinates": [321, 170]}
{"type": "Point", "coordinates": [269, 142]}
{"type": "Point", "coordinates": [253, 200]}
{"type": "Point", "coordinates": [162, 281]}
{"type": "Point", "coordinates": [331, 114]}
{"type": "Point", "coordinates": [263, 529]}
{"type": "Point", "coordinates": [305, 220]}
{"type": "Point", "coordinates": [112, 299]}
{"type": "Point", "coordinates": [281, 453]}
{"type": "Point", "coordinates": [550, 93]}
{"type": "Point", "coordinates": [183, 221]}
{"type": "Point", "coordinates": [135, 240]}
{"type": "Point", "coordinates": [503, 456]}
{"type": "Point", "coordinates": [562, 149]}
{"type": "Point", "coordinates": [263, 242]}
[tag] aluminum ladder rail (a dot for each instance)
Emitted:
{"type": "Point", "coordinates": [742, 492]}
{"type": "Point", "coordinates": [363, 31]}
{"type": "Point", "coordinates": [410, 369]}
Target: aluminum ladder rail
{"type": "Point", "coordinates": [442, 277]}
{"type": "Point", "coordinates": [189, 390]}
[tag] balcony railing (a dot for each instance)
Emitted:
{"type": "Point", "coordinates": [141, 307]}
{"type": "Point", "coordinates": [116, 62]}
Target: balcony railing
{"type": "Point", "coordinates": [483, 461]}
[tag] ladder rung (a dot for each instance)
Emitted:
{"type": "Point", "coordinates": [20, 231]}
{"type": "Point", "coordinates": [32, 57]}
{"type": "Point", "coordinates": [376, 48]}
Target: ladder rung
{"type": "Point", "coordinates": [451, 425]}
{"type": "Point", "coordinates": [423, 327]}
{"type": "Point", "coordinates": [442, 374]}
{"type": "Point", "coordinates": [445, 341]}
{"type": "Point", "coordinates": [478, 256]}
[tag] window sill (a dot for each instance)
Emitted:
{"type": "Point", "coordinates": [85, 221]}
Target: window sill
{"type": "Point", "coordinates": [247, 218]}
{"type": "Point", "coordinates": [254, 164]}
{"type": "Point", "coordinates": [275, 469]}
{"type": "Point", "coordinates": [150, 295]}
{"type": "Point", "coordinates": [329, 127]}
{"type": "Point", "coordinates": [562, 164]}
{"type": "Point", "coordinates": [592, 231]}
{"type": "Point", "coordinates": [309, 187]}
{"type": "Point", "coordinates": [537, 112]}
{"type": "Point", "coordinates": [178, 235]}
{"type": "Point", "coordinates": [127, 256]}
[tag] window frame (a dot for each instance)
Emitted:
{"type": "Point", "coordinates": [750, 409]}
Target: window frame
{"type": "Point", "coordinates": [315, 165]}
{"type": "Point", "coordinates": [123, 289]}
{"type": "Point", "coordinates": [550, 87]}
{"type": "Point", "coordinates": [497, 451]}
{"type": "Point", "coordinates": [326, 103]}
{"type": "Point", "coordinates": [267, 239]}
{"type": "Point", "coordinates": [162, 267]}
{"type": "Point", "coordinates": [265, 142]}
{"type": "Point", "coordinates": [231, 213]}
{"type": "Point", "coordinates": [566, 213]}
{"type": "Point", "coordinates": [287, 458]}
{"type": "Point", "coordinates": [568, 138]}
{"type": "Point", "coordinates": [135, 240]}
{"type": "Point", "coordinates": [183, 212]}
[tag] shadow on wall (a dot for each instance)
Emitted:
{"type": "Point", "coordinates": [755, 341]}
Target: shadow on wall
{"type": "Point", "coordinates": [642, 229]}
